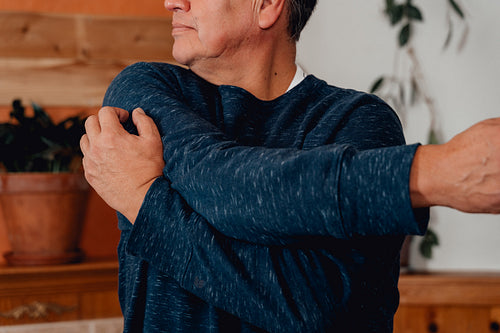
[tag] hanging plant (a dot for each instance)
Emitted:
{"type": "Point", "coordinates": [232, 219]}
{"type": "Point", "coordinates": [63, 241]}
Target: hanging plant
{"type": "Point", "coordinates": [404, 89]}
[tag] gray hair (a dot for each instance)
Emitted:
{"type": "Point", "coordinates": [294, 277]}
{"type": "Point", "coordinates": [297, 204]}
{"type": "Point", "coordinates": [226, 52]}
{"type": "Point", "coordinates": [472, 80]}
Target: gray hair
{"type": "Point", "coordinates": [299, 12]}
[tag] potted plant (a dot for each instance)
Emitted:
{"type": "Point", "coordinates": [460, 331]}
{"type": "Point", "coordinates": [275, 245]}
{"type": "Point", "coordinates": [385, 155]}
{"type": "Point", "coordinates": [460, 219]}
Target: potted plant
{"type": "Point", "coordinates": [43, 192]}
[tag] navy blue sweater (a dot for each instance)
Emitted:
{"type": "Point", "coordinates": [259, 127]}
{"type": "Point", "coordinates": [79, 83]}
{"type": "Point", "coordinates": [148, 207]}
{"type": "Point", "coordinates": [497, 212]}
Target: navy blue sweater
{"type": "Point", "coordinates": [284, 215]}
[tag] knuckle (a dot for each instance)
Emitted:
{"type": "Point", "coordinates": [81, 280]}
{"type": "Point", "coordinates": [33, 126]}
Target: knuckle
{"type": "Point", "coordinates": [90, 119]}
{"type": "Point", "coordinates": [106, 109]}
{"type": "Point", "coordinates": [83, 140]}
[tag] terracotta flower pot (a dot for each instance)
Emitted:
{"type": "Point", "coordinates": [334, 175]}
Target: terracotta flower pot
{"type": "Point", "coordinates": [44, 213]}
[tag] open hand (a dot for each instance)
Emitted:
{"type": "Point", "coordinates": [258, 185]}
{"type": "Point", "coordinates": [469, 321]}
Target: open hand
{"type": "Point", "coordinates": [121, 166]}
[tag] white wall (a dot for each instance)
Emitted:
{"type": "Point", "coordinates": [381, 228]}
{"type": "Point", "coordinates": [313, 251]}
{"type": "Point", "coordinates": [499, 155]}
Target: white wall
{"type": "Point", "coordinates": [349, 43]}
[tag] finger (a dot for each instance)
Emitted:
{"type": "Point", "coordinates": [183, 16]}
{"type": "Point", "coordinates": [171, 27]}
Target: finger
{"type": "Point", "coordinates": [110, 118]}
{"type": "Point", "coordinates": [122, 114]}
{"type": "Point", "coordinates": [92, 126]}
{"type": "Point", "coordinates": [146, 127]}
{"type": "Point", "coordinates": [84, 144]}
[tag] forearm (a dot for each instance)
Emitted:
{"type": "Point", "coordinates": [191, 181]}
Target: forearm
{"type": "Point", "coordinates": [463, 173]}
{"type": "Point", "coordinates": [173, 239]}
{"type": "Point", "coordinates": [258, 194]}
{"type": "Point", "coordinates": [331, 190]}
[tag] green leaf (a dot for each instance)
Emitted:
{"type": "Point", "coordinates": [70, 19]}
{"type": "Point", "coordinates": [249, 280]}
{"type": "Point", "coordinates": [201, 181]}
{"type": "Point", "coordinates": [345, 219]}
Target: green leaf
{"type": "Point", "coordinates": [36, 144]}
{"type": "Point", "coordinates": [395, 13]}
{"type": "Point", "coordinates": [429, 240]}
{"type": "Point", "coordinates": [404, 35]}
{"type": "Point", "coordinates": [414, 13]}
{"type": "Point", "coordinates": [432, 138]}
{"type": "Point", "coordinates": [41, 116]}
{"type": "Point", "coordinates": [457, 8]}
{"type": "Point", "coordinates": [377, 85]}
{"type": "Point", "coordinates": [18, 111]}
{"type": "Point", "coordinates": [389, 5]}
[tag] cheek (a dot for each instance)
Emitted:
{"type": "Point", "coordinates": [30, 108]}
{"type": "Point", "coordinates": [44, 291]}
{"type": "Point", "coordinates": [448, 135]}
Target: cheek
{"type": "Point", "coordinates": [226, 35]}
{"type": "Point", "coordinates": [213, 33]}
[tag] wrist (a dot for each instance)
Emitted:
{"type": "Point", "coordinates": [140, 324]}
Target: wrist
{"type": "Point", "coordinates": [131, 210]}
{"type": "Point", "coordinates": [424, 177]}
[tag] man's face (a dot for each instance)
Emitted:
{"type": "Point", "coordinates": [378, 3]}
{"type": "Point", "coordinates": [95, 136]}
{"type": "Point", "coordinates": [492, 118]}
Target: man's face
{"type": "Point", "coordinates": [211, 29]}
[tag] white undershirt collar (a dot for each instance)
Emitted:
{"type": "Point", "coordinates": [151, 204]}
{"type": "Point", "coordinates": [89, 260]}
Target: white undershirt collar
{"type": "Point", "coordinates": [299, 76]}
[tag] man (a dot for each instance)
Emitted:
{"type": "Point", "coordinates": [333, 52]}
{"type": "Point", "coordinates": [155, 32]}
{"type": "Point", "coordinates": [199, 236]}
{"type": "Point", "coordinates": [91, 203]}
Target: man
{"type": "Point", "coordinates": [255, 199]}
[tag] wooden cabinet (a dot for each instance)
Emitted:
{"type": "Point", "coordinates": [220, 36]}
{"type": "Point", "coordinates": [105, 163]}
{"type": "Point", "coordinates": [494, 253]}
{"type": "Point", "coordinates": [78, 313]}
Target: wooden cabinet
{"type": "Point", "coordinates": [448, 303]}
{"type": "Point", "coordinates": [444, 303]}
{"type": "Point", "coordinates": [59, 293]}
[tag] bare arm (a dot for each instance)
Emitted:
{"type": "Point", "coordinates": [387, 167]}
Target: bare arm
{"type": "Point", "coordinates": [463, 173]}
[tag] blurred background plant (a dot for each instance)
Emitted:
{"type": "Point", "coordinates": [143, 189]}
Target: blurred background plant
{"type": "Point", "coordinates": [36, 144]}
{"type": "Point", "coordinates": [406, 85]}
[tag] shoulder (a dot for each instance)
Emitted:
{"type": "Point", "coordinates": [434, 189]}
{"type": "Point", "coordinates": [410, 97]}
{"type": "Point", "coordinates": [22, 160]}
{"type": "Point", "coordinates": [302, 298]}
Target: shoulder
{"type": "Point", "coordinates": [149, 79]}
{"type": "Point", "coordinates": [150, 73]}
{"type": "Point", "coordinates": [338, 100]}
{"type": "Point", "coordinates": [360, 104]}
{"type": "Point", "coordinates": [360, 118]}
{"type": "Point", "coordinates": [348, 98]}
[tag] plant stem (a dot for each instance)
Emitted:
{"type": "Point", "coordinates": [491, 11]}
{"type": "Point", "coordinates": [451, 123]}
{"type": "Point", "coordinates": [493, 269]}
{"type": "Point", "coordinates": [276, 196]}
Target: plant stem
{"type": "Point", "coordinates": [421, 84]}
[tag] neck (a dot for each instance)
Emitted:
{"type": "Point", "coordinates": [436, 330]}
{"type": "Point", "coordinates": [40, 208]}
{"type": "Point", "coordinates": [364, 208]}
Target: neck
{"type": "Point", "coordinates": [266, 72]}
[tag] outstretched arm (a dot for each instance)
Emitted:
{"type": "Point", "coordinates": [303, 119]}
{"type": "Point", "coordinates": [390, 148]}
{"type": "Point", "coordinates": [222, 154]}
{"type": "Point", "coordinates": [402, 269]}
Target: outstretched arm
{"type": "Point", "coordinates": [268, 195]}
{"type": "Point", "coordinates": [193, 145]}
{"type": "Point", "coordinates": [463, 173]}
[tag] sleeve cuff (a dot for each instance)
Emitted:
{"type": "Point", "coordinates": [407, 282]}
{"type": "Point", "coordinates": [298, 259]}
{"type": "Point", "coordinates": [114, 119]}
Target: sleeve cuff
{"type": "Point", "coordinates": [375, 193]}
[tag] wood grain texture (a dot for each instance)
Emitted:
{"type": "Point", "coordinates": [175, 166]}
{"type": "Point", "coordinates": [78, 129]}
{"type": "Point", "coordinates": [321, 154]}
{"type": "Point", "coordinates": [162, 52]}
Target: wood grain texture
{"type": "Point", "coordinates": [69, 60]}
{"type": "Point", "coordinates": [68, 292]}
{"type": "Point", "coordinates": [127, 39]}
{"type": "Point", "coordinates": [34, 35]}
{"type": "Point", "coordinates": [450, 289]}
{"type": "Point", "coordinates": [152, 8]}
{"type": "Point", "coordinates": [55, 83]}
{"type": "Point", "coordinates": [449, 303]}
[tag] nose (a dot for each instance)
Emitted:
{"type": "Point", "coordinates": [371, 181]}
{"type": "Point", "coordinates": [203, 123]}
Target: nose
{"type": "Point", "coordinates": [177, 5]}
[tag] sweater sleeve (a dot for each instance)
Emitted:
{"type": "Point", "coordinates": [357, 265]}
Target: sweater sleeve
{"type": "Point", "coordinates": [269, 196]}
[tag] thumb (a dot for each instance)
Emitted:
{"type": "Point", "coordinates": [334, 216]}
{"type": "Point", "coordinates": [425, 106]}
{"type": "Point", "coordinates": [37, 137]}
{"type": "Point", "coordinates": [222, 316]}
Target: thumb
{"type": "Point", "coordinates": [146, 127]}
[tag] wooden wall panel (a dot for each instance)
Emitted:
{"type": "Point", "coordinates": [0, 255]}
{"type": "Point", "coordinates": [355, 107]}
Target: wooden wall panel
{"type": "Point", "coordinates": [65, 62]}
{"type": "Point", "coordinates": [33, 35]}
{"type": "Point", "coordinates": [71, 59]}
{"type": "Point", "coordinates": [55, 83]}
{"type": "Point", "coordinates": [113, 7]}
{"type": "Point", "coordinates": [128, 39]}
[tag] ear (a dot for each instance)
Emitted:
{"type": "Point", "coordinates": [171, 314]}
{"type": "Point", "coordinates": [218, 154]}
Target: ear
{"type": "Point", "coordinates": [270, 11]}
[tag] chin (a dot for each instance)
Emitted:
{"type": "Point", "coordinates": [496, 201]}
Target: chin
{"type": "Point", "coordinates": [182, 50]}
{"type": "Point", "coordinates": [181, 57]}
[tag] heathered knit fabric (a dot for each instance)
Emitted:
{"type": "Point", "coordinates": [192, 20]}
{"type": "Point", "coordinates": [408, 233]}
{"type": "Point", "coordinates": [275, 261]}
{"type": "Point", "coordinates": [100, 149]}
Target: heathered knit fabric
{"type": "Point", "coordinates": [276, 216]}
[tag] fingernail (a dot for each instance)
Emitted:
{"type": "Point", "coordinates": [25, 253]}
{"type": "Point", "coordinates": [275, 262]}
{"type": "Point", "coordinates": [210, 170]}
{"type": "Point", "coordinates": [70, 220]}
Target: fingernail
{"type": "Point", "coordinates": [141, 111]}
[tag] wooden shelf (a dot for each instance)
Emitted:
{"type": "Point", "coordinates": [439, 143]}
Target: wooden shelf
{"type": "Point", "coordinates": [87, 290]}
{"type": "Point", "coordinates": [449, 302]}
